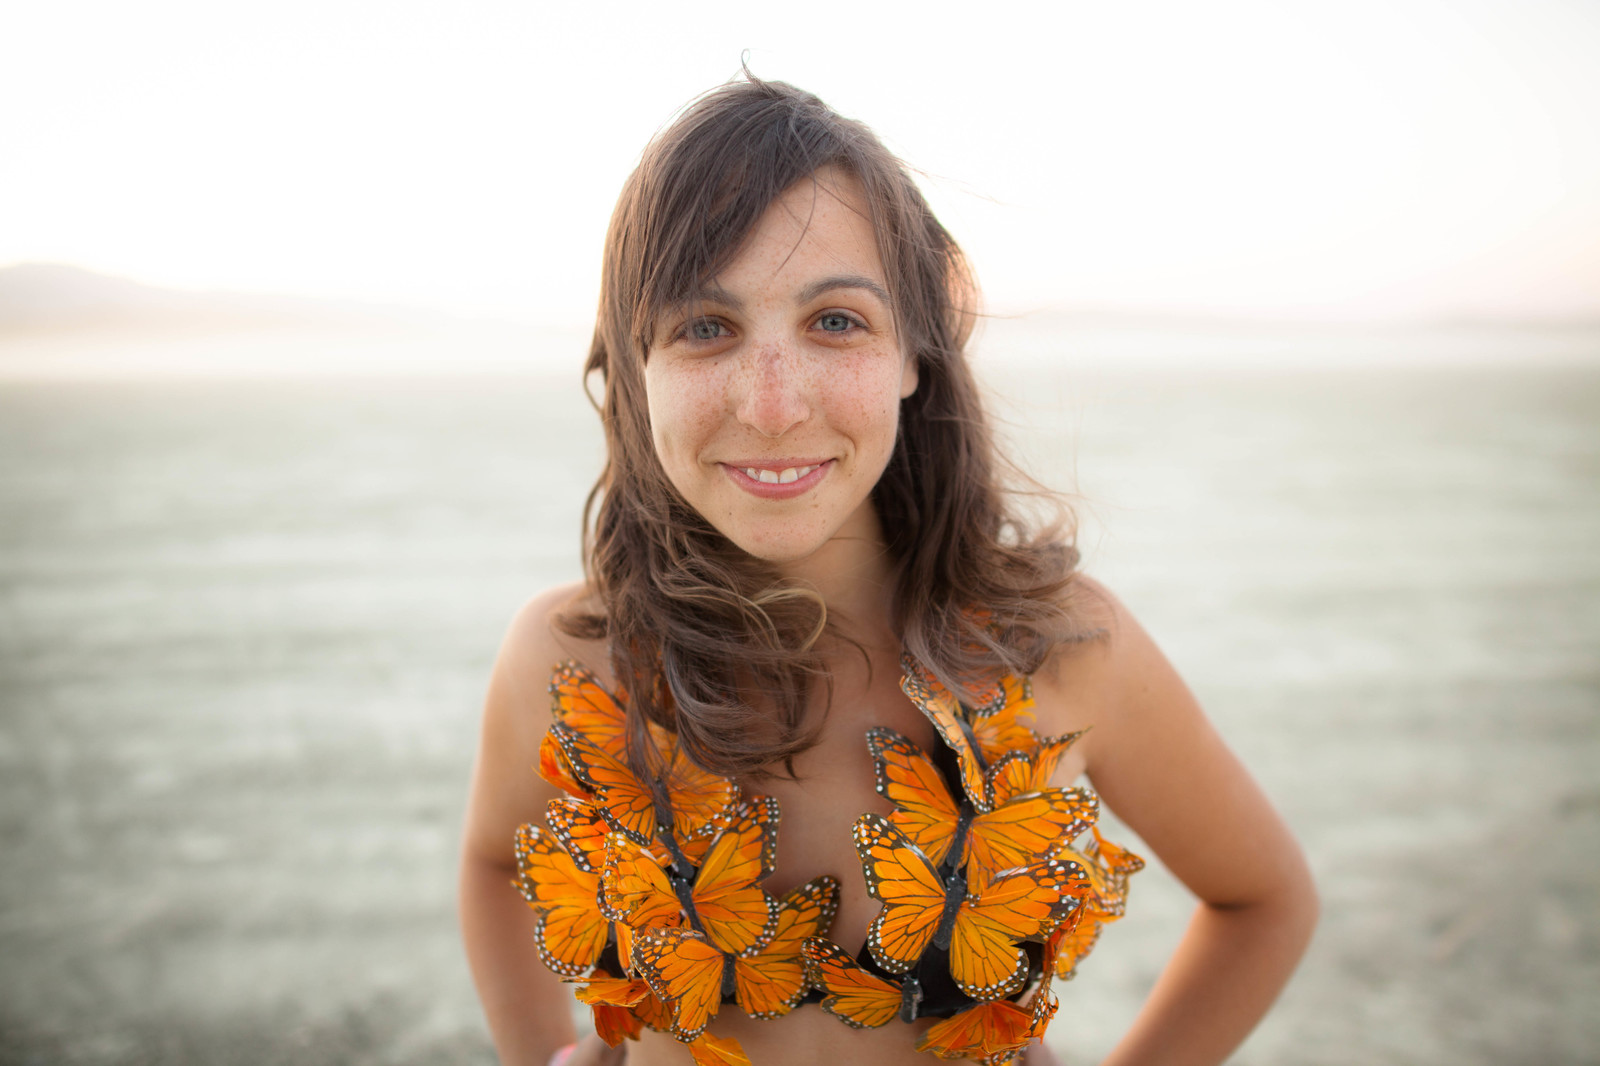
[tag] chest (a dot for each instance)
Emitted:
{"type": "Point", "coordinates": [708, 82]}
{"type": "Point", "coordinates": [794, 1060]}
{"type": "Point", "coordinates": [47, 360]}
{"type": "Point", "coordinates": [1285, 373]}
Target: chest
{"type": "Point", "coordinates": [834, 784]}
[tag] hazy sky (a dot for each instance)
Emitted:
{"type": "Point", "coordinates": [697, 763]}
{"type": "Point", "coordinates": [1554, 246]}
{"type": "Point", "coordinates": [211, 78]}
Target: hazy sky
{"type": "Point", "coordinates": [1281, 159]}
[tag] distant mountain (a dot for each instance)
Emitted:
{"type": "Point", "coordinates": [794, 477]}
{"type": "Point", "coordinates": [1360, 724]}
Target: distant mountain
{"type": "Point", "coordinates": [55, 297]}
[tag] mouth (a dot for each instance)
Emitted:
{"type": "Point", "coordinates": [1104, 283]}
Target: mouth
{"type": "Point", "coordinates": [779, 479]}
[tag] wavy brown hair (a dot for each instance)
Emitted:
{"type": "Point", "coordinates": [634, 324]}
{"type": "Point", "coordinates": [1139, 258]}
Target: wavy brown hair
{"type": "Point", "coordinates": [707, 640]}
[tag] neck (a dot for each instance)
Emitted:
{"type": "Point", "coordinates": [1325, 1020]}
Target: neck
{"type": "Point", "coordinates": [855, 577]}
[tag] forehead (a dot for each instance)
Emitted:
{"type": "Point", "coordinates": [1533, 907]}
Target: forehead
{"type": "Point", "coordinates": [818, 224]}
{"type": "Point", "coordinates": [819, 227]}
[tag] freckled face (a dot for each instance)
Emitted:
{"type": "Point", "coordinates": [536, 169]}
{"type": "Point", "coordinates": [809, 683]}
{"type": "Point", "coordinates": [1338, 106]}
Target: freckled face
{"type": "Point", "coordinates": [775, 394]}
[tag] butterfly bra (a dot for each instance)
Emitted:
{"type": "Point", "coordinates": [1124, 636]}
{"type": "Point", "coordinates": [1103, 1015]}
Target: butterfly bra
{"type": "Point", "coordinates": [994, 884]}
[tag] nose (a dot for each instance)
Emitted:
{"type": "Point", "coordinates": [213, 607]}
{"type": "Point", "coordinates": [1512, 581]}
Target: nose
{"type": "Point", "coordinates": [773, 396]}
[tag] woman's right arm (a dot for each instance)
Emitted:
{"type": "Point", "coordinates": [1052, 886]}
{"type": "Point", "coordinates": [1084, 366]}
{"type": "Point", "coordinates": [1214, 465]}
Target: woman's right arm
{"type": "Point", "coordinates": [528, 1009]}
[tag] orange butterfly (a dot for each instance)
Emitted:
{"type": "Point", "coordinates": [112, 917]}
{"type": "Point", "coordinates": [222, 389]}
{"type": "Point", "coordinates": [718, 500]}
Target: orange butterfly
{"type": "Point", "coordinates": [564, 889]}
{"type": "Point", "coordinates": [991, 695]}
{"type": "Point", "coordinates": [855, 996]}
{"type": "Point", "coordinates": [981, 923]}
{"type": "Point", "coordinates": [708, 1050]}
{"type": "Point", "coordinates": [1022, 828]}
{"type": "Point", "coordinates": [1017, 772]}
{"type": "Point", "coordinates": [726, 902]}
{"type": "Point", "coordinates": [581, 703]}
{"type": "Point", "coordinates": [1069, 944]}
{"type": "Point", "coordinates": [772, 982]}
{"type": "Point", "coordinates": [977, 741]}
{"type": "Point", "coordinates": [999, 1029]}
{"type": "Point", "coordinates": [692, 976]}
{"type": "Point", "coordinates": [581, 831]}
{"type": "Point", "coordinates": [690, 797]}
{"type": "Point", "coordinates": [995, 1031]}
{"type": "Point", "coordinates": [585, 753]}
{"type": "Point", "coordinates": [1110, 866]}
{"type": "Point", "coordinates": [554, 768]}
{"type": "Point", "coordinates": [687, 972]}
{"type": "Point", "coordinates": [613, 1003]}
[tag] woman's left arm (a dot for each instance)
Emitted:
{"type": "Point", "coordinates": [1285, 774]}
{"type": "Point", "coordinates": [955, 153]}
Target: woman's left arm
{"type": "Point", "coordinates": [1156, 760]}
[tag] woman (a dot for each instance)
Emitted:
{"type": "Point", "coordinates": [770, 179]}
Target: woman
{"type": "Point", "coordinates": [802, 506]}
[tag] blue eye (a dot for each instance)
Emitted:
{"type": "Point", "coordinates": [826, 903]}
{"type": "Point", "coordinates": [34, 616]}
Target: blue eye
{"type": "Point", "coordinates": [705, 330]}
{"type": "Point", "coordinates": [835, 323]}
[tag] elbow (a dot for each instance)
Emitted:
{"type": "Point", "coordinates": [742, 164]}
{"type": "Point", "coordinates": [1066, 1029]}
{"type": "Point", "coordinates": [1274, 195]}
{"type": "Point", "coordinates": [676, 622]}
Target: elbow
{"type": "Point", "coordinates": [1297, 904]}
{"type": "Point", "coordinates": [1311, 903]}
{"type": "Point", "coordinates": [1286, 903]}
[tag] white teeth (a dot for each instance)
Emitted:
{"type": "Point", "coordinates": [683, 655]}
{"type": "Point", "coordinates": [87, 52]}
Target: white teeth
{"type": "Point", "coordinates": [774, 477]}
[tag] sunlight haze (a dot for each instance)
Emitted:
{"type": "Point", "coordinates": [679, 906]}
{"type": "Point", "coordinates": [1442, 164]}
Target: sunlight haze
{"type": "Point", "coordinates": [1394, 160]}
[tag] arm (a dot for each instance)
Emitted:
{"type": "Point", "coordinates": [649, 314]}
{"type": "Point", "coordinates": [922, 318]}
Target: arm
{"type": "Point", "coordinates": [528, 1009]}
{"type": "Point", "coordinates": [1156, 760]}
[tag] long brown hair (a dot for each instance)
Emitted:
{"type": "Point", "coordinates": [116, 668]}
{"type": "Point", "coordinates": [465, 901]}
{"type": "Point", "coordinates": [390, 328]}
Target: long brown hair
{"type": "Point", "coordinates": [708, 641]}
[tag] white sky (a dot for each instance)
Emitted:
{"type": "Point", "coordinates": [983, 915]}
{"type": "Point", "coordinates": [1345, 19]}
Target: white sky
{"type": "Point", "coordinates": [1407, 157]}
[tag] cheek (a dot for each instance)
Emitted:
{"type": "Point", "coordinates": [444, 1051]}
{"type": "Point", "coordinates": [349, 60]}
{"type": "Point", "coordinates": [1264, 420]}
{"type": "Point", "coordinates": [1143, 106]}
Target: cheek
{"type": "Point", "coordinates": [681, 411]}
{"type": "Point", "coordinates": [867, 399]}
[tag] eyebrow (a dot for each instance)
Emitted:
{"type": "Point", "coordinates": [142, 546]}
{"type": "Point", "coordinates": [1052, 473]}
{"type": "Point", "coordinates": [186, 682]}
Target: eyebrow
{"type": "Point", "coordinates": [718, 295]}
{"type": "Point", "coordinates": [843, 281]}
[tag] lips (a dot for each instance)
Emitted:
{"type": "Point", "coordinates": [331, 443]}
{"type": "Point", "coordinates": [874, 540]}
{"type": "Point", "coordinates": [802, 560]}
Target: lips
{"type": "Point", "coordinates": [777, 479]}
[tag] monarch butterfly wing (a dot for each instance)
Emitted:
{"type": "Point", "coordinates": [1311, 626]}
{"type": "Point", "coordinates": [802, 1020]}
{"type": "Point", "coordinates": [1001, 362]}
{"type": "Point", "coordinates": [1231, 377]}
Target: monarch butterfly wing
{"type": "Point", "coordinates": [985, 694]}
{"type": "Point", "coordinates": [1048, 757]}
{"type": "Point", "coordinates": [634, 888]}
{"type": "Point", "coordinates": [772, 982]}
{"type": "Point", "coordinates": [1010, 726]}
{"type": "Point", "coordinates": [909, 886]}
{"type": "Point", "coordinates": [684, 970]}
{"type": "Point", "coordinates": [580, 703]}
{"type": "Point", "coordinates": [1042, 1003]}
{"type": "Point", "coordinates": [581, 831]}
{"type": "Point", "coordinates": [653, 1012]}
{"type": "Point", "coordinates": [709, 1050]}
{"type": "Point", "coordinates": [813, 906]}
{"type": "Point", "coordinates": [614, 1024]}
{"type": "Point", "coordinates": [854, 996]}
{"type": "Point", "coordinates": [1115, 857]}
{"type": "Point", "coordinates": [616, 991]}
{"type": "Point", "coordinates": [1069, 944]}
{"type": "Point", "coordinates": [621, 799]}
{"type": "Point", "coordinates": [979, 1032]}
{"type": "Point", "coordinates": [609, 1000]}
{"type": "Point", "coordinates": [1110, 866]}
{"type": "Point", "coordinates": [554, 768]}
{"type": "Point", "coordinates": [924, 810]}
{"type": "Point", "coordinates": [984, 958]}
{"type": "Point", "coordinates": [571, 932]}
{"type": "Point", "coordinates": [941, 708]}
{"type": "Point", "coordinates": [696, 796]}
{"type": "Point", "coordinates": [1030, 827]}
{"type": "Point", "coordinates": [1008, 778]}
{"type": "Point", "coordinates": [735, 911]}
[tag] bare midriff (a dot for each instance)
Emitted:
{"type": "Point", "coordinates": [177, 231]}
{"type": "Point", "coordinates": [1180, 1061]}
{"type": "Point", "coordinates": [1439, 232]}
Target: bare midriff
{"type": "Point", "coordinates": [807, 1036]}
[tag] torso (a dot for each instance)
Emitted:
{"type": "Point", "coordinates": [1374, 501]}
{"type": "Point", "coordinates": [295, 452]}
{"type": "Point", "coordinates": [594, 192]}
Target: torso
{"type": "Point", "coordinates": [833, 785]}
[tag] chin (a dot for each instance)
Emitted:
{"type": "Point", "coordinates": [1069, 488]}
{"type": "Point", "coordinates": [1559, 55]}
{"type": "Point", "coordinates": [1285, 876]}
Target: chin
{"type": "Point", "coordinates": [777, 554]}
{"type": "Point", "coordinates": [778, 550]}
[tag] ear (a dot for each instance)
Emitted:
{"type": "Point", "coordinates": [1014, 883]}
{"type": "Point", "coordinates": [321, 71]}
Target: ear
{"type": "Point", "coordinates": [908, 376]}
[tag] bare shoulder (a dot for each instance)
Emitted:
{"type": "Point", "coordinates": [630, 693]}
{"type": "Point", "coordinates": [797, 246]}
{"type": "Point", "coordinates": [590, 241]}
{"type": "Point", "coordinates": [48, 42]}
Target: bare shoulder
{"type": "Point", "coordinates": [535, 642]}
{"type": "Point", "coordinates": [506, 788]}
{"type": "Point", "coordinates": [1096, 682]}
{"type": "Point", "coordinates": [1156, 759]}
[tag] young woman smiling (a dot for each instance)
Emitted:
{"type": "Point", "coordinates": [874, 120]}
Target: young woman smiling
{"type": "Point", "coordinates": [807, 593]}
